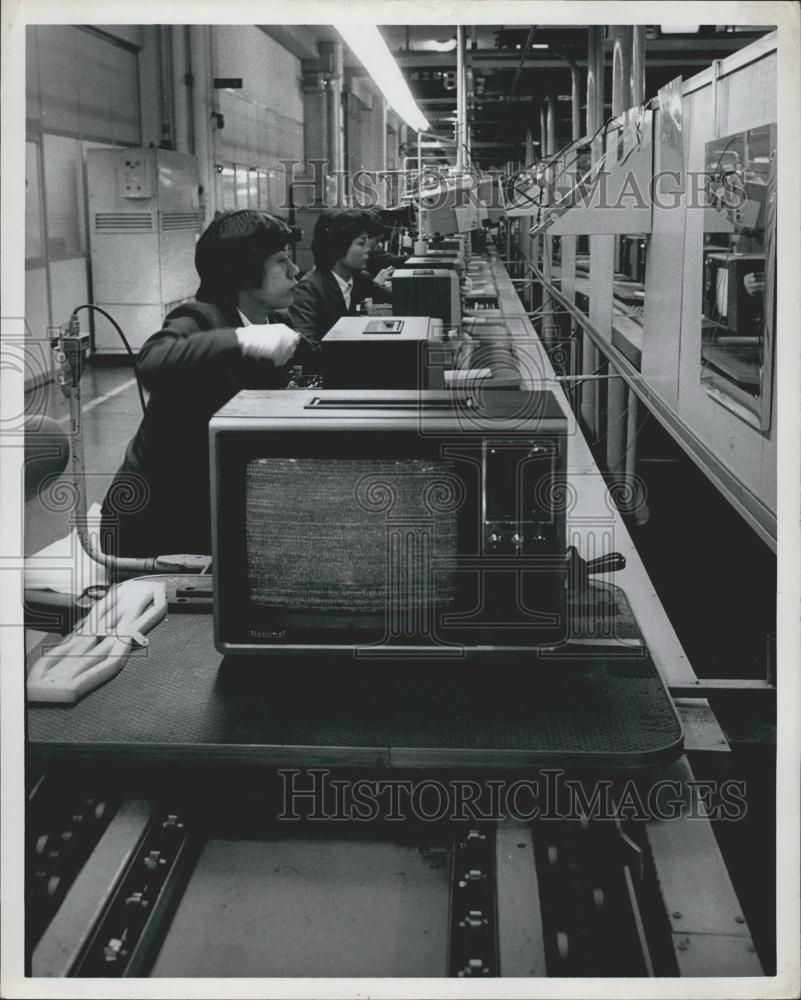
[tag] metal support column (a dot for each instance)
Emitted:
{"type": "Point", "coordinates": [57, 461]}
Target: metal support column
{"type": "Point", "coordinates": [180, 91]}
{"type": "Point", "coordinates": [461, 100]}
{"type": "Point", "coordinates": [529, 245]}
{"type": "Point", "coordinates": [167, 140]}
{"type": "Point", "coordinates": [568, 243]}
{"type": "Point", "coordinates": [575, 96]}
{"type": "Point", "coordinates": [595, 118]}
{"type": "Point", "coordinates": [200, 63]}
{"type": "Point", "coordinates": [544, 151]}
{"type": "Point", "coordinates": [549, 329]}
{"type": "Point", "coordinates": [622, 42]}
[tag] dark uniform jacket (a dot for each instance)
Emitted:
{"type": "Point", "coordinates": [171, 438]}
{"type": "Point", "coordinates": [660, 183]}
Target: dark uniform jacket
{"type": "Point", "coordinates": [317, 302]}
{"type": "Point", "coordinates": [159, 501]}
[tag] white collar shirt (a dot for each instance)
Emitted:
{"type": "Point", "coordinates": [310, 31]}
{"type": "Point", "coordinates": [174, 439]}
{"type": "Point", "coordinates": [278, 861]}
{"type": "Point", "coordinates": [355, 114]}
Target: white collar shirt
{"type": "Point", "coordinates": [346, 287]}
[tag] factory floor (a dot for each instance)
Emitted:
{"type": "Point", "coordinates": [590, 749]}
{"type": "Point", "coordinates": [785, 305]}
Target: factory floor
{"type": "Point", "coordinates": [111, 412]}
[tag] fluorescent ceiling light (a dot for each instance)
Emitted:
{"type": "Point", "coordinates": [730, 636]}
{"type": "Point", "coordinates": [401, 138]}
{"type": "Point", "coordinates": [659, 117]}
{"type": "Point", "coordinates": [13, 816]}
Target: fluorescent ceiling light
{"type": "Point", "coordinates": [539, 45]}
{"type": "Point", "coordinates": [366, 43]}
{"type": "Point", "coordinates": [679, 29]}
{"type": "Point", "coordinates": [434, 46]}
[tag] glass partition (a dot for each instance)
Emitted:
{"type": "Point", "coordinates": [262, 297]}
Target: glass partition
{"type": "Point", "coordinates": [739, 273]}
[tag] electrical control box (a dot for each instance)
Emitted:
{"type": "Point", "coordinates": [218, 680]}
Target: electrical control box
{"type": "Point", "coordinates": [136, 176]}
{"type": "Point", "coordinates": [143, 224]}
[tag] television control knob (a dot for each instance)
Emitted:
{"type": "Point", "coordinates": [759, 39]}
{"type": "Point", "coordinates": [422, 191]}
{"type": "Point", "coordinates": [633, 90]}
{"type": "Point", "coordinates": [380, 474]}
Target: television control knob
{"type": "Point", "coordinates": [495, 540]}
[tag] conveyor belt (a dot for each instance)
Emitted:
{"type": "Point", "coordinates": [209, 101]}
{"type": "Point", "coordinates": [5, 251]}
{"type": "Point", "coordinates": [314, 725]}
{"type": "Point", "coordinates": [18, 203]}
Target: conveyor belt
{"type": "Point", "coordinates": [180, 701]}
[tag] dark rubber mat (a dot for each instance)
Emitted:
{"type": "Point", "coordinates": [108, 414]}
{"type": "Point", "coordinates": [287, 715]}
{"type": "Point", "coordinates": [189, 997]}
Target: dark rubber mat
{"type": "Point", "coordinates": [179, 700]}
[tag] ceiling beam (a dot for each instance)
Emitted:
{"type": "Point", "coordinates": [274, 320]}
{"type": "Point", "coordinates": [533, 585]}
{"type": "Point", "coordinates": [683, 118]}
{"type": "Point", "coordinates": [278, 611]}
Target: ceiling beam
{"type": "Point", "coordinates": [300, 40]}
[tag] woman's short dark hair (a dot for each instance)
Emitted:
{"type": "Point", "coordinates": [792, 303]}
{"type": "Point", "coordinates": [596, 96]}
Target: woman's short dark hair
{"type": "Point", "coordinates": [334, 232]}
{"type": "Point", "coordinates": [230, 254]}
{"type": "Point", "coordinates": [375, 224]}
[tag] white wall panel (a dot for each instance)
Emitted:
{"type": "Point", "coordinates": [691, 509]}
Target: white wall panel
{"type": "Point", "coordinates": [79, 82]}
{"type": "Point", "coordinates": [64, 210]}
{"type": "Point", "coordinates": [125, 102]}
{"type": "Point", "coordinates": [602, 268]}
{"type": "Point", "coordinates": [58, 78]}
{"type": "Point", "coordinates": [37, 316]}
{"type": "Point", "coordinates": [263, 120]}
{"type": "Point", "coordinates": [743, 103]}
{"type": "Point", "coordinates": [34, 211]}
{"type": "Point", "coordinates": [33, 105]}
{"type": "Point", "coordinates": [664, 278]}
{"type": "Point", "coordinates": [100, 62]}
{"type": "Point", "coordinates": [69, 287]}
{"type": "Point", "coordinates": [747, 98]}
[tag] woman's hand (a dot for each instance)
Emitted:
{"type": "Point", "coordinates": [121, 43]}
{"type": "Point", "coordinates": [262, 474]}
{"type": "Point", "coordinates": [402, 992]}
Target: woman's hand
{"type": "Point", "coordinates": [384, 275]}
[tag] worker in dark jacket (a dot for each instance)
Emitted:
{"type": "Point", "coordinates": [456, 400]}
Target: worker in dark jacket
{"type": "Point", "coordinates": [378, 257]}
{"type": "Point", "coordinates": [338, 283]}
{"type": "Point", "coordinates": [207, 350]}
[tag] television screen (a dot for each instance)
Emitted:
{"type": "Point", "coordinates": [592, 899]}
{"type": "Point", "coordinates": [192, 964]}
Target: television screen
{"type": "Point", "coordinates": [318, 544]}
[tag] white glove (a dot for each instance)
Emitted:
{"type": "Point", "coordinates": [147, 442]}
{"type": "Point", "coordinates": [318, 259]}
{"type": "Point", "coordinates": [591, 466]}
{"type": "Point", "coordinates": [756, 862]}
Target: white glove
{"type": "Point", "coordinates": [272, 341]}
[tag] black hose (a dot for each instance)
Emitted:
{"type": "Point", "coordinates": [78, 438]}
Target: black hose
{"type": "Point", "coordinates": [123, 338]}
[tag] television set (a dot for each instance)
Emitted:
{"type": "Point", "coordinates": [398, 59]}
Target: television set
{"type": "Point", "coordinates": [435, 253]}
{"type": "Point", "coordinates": [427, 291]}
{"type": "Point", "coordinates": [730, 300]}
{"type": "Point", "coordinates": [386, 352]}
{"type": "Point", "coordinates": [452, 244]}
{"type": "Point", "coordinates": [450, 219]}
{"type": "Point", "coordinates": [440, 261]}
{"type": "Point", "coordinates": [633, 257]}
{"type": "Point", "coordinates": [381, 523]}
